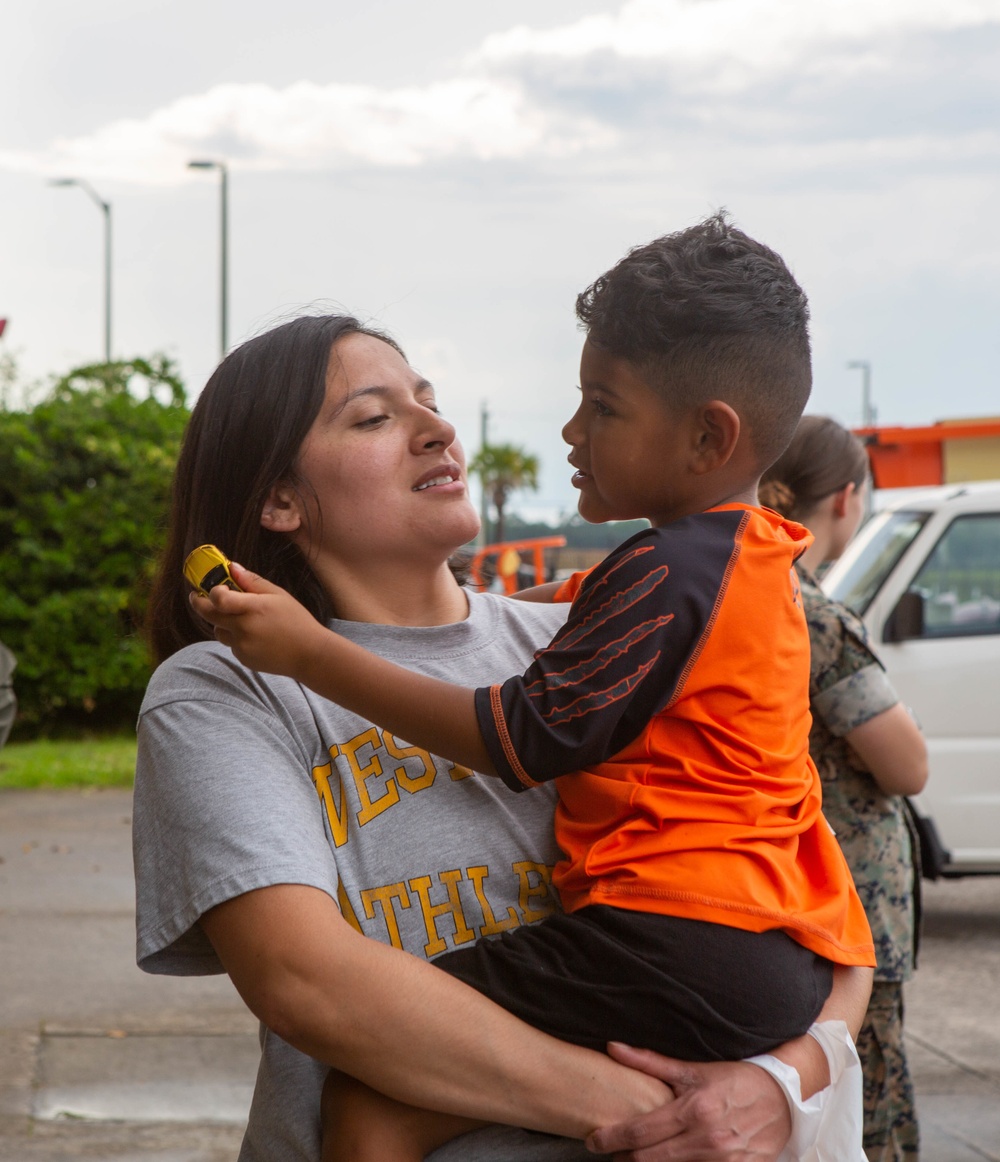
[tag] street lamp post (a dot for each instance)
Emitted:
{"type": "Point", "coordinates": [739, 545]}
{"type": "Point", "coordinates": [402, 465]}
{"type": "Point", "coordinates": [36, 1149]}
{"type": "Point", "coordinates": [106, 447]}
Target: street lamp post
{"type": "Point", "coordinates": [105, 208]}
{"type": "Point", "coordinates": [484, 500]}
{"type": "Point", "coordinates": [867, 409]}
{"type": "Point", "coordinates": [223, 247]}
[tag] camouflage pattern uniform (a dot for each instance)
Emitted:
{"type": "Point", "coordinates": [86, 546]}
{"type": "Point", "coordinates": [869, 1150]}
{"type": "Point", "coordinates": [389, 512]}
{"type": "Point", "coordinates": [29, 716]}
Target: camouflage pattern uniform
{"type": "Point", "coordinates": [8, 702]}
{"type": "Point", "coordinates": [848, 687]}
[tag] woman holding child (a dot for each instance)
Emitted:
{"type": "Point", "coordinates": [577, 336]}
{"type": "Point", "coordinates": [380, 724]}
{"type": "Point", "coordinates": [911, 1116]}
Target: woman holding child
{"type": "Point", "coordinates": [316, 456]}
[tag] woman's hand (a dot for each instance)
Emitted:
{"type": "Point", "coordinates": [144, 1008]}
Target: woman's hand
{"type": "Point", "coordinates": [729, 1111]}
{"type": "Point", "coordinates": [264, 626]}
{"type": "Point", "coordinates": [726, 1111]}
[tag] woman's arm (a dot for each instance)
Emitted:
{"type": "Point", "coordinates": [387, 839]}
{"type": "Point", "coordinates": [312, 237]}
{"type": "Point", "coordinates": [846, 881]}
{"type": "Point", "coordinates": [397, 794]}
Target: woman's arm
{"type": "Point", "coordinates": [730, 1111]}
{"type": "Point", "coordinates": [423, 1037]}
{"type": "Point", "coordinates": [893, 749]}
{"type": "Point", "coordinates": [406, 1028]}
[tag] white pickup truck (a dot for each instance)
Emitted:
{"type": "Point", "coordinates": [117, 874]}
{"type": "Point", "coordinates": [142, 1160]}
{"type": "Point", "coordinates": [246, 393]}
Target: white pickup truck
{"type": "Point", "coordinates": [924, 574]}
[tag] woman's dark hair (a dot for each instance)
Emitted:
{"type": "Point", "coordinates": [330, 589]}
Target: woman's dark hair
{"type": "Point", "coordinates": [822, 458]}
{"type": "Point", "coordinates": [242, 440]}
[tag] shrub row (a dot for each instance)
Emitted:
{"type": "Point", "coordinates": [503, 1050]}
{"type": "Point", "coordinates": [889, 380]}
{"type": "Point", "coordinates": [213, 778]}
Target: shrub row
{"type": "Point", "coordinates": [84, 487]}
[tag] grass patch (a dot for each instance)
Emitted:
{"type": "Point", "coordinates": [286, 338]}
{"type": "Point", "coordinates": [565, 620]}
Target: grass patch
{"type": "Point", "coordinates": [90, 762]}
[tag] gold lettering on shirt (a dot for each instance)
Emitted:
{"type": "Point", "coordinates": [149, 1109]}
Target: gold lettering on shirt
{"type": "Point", "coordinates": [386, 897]}
{"type": "Point", "coordinates": [370, 807]}
{"type": "Point", "coordinates": [347, 908]}
{"type": "Point", "coordinates": [407, 781]}
{"type": "Point", "coordinates": [459, 772]}
{"type": "Point", "coordinates": [431, 912]}
{"type": "Point", "coordinates": [534, 888]}
{"type": "Point", "coordinates": [337, 815]}
{"type": "Point", "coordinates": [478, 876]}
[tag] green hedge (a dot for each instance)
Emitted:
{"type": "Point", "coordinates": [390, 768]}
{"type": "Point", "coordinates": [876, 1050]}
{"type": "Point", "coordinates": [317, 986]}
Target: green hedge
{"type": "Point", "coordinates": [84, 486]}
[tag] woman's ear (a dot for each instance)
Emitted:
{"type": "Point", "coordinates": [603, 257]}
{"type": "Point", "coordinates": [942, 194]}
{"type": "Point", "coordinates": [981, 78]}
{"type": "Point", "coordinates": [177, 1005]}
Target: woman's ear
{"type": "Point", "coordinates": [841, 497]}
{"type": "Point", "coordinates": [281, 512]}
{"type": "Point", "coordinates": [718, 433]}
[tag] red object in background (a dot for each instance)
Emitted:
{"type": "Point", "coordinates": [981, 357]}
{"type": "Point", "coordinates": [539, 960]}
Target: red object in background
{"type": "Point", "coordinates": [534, 545]}
{"type": "Point", "coordinates": [905, 457]}
{"type": "Point", "coordinates": [3, 325]}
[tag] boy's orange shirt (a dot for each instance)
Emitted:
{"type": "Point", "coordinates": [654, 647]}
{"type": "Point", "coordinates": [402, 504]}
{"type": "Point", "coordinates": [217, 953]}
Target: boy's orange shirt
{"type": "Point", "coordinates": [713, 812]}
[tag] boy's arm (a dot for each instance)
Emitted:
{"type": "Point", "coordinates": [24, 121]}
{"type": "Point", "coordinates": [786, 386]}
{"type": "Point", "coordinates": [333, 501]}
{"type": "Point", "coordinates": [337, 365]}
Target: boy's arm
{"type": "Point", "coordinates": [545, 593]}
{"type": "Point", "coordinates": [268, 630]}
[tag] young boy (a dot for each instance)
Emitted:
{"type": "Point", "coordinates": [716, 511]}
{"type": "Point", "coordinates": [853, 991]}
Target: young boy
{"type": "Point", "coordinates": [706, 898]}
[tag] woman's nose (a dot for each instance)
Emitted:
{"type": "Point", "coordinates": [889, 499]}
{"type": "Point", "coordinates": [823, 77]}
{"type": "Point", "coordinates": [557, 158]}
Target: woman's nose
{"type": "Point", "coordinates": [438, 431]}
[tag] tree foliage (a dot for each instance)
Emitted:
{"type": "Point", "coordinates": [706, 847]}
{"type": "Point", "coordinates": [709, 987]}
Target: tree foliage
{"type": "Point", "coordinates": [502, 469]}
{"type": "Point", "coordinates": [84, 486]}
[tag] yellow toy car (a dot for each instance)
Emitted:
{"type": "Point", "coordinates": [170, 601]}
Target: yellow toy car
{"type": "Point", "coordinates": [207, 567]}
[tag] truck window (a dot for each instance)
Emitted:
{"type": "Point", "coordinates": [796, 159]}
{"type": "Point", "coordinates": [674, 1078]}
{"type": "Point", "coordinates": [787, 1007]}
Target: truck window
{"type": "Point", "coordinates": [960, 580]}
{"type": "Point", "coordinates": [880, 544]}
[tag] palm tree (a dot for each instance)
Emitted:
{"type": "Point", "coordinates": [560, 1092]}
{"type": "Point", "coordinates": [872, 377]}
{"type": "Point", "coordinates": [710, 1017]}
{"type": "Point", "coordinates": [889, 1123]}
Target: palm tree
{"type": "Point", "coordinates": [502, 468]}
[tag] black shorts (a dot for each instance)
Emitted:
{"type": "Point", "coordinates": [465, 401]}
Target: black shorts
{"type": "Point", "coordinates": [686, 988]}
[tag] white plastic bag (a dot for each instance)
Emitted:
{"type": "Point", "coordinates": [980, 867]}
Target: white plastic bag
{"type": "Point", "coordinates": [827, 1127]}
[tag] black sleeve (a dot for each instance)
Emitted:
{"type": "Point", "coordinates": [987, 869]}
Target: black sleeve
{"type": "Point", "coordinates": [621, 657]}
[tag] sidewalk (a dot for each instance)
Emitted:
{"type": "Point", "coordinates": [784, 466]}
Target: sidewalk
{"type": "Point", "coordinates": [97, 1059]}
{"type": "Point", "coordinates": [100, 1061]}
{"type": "Point", "coordinates": [953, 1022]}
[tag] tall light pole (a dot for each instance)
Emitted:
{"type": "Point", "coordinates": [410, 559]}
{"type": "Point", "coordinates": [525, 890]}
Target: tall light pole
{"type": "Point", "coordinates": [484, 500]}
{"type": "Point", "coordinates": [867, 408]}
{"type": "Point", "coordinates": [105, 208]}
{"type": "Point", "coordinates": [223, 247]}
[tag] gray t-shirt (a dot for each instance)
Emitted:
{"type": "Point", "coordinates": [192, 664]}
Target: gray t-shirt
{"type": "Point", "coordinates": [246, 780]}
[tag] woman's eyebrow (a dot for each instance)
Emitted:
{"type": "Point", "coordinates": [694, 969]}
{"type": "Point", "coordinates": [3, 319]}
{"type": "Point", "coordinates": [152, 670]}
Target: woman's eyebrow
{"type": "Point", "coordinates": [379, 390]}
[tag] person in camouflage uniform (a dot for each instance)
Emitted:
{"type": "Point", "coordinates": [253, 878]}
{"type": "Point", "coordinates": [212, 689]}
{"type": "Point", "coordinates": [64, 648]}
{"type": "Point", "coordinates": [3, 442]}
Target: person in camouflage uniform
{"type": "Point", "coordinates": [849, 688]}
{"type": "Point", "coordinates": [8, 700]}
{"type": "Point", "coordinates": [869, 753]}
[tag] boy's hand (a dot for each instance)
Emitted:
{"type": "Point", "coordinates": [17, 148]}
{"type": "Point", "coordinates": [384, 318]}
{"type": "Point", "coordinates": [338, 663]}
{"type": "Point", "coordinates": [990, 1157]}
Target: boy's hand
{"type": "Point", "coordinates": [266, 628]}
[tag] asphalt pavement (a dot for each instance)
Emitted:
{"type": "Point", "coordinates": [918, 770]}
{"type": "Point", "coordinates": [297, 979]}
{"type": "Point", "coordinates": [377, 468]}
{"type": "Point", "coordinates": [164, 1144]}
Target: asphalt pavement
{"type": "Point", "coordinates": [101, 1061]}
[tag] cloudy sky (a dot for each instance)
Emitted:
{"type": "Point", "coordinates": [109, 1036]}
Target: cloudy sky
{"type": "Point", "coordinates": [457, 172]}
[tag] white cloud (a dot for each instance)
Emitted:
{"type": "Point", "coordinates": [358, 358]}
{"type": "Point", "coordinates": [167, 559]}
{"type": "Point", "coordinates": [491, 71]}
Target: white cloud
{"type": "Point", "coordinates": [758, 33]}
{"type": "Point", "coordinates": [657, 73]}
{"type": "Point", "coordinates": [311, 126]}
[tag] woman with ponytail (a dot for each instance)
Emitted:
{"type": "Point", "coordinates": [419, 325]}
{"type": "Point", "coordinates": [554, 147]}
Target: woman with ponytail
{"type": "Point", "coordinates": [869, 752]}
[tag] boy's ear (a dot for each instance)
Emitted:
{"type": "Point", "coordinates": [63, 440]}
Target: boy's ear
{"type": "Point", "coordinates": [281, 512]}
{"type": "Point", "coordinates": [717, 434]}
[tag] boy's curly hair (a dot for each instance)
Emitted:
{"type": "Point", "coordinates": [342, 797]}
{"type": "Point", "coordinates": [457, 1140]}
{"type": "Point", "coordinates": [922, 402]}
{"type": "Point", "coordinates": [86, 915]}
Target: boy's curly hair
{"type": "Point", "coordinates": [709, 313]}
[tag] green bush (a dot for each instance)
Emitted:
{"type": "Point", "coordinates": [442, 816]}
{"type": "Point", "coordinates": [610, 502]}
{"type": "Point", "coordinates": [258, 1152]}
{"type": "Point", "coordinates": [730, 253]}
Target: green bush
{"type": "Point", "coordinates": [84, 485]}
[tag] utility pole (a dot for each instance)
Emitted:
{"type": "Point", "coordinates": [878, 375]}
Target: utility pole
{"type": "Point", "coordinates": [223, 171]}
{"type": "Point", "coordinates": [105, 208]}
{"type": "Point", "coordinates": [484, 506]}
{"type": "Point", "coordinates": [867, 408]}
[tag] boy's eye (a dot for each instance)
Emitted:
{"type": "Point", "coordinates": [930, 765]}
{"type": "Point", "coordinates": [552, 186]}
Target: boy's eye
{"type": "Point", "coordinates": [601, 408]}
